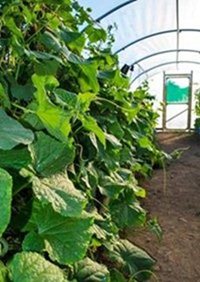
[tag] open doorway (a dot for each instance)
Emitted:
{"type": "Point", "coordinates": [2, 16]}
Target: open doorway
{"type": "Point", "coordinates": [177, 100]}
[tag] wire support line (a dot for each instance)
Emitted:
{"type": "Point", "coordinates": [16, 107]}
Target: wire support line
{"type": "Point", "coordinates": [156, 34]}
{"type": "Point", "coordinates": [162, 65]}
{"type": "Point", "coordinates": [164, 52]}
{"type": "Point", "coordinates": [114, 10]}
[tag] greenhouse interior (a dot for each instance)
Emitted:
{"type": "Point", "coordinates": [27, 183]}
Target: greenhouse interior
{"type": "Point", "coordinates": [99, 141]}
{"type": "Point", "coordinates": [155, 38]}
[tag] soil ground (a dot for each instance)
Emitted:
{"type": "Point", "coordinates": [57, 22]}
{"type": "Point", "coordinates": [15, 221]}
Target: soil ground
{"type": "Point", "coordinates": [177, 207]}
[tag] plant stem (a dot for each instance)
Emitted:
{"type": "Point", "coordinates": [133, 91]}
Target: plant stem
{"type": "Point", "coordinates": [114, 104]}
{"type": "Point", "coordinates": [22, 108]}
{"type": "Point", "coordinates": [21, 188]}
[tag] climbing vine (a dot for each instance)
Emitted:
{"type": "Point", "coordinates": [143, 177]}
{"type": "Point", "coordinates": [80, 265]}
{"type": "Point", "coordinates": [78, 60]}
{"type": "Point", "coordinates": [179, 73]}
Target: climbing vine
{"type": "Point", "coordinates": [74, 140]}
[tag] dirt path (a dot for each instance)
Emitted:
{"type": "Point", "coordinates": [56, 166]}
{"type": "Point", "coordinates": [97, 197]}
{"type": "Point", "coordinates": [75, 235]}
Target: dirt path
{"type": "Point", "coordinates": [178, 211]}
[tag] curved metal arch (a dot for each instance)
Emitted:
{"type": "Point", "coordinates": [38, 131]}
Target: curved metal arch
{"type": "Point", "coordinates": [164, 52]}
{"type": "Point", "coordinates": [156, 34]}
{"type": "Point", "coordinates": [114, 10]}
{"type": "Point", "coordinates": [162, 65]}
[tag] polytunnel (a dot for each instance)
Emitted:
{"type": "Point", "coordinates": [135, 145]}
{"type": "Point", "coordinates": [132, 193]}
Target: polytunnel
{"type": "Point", "coordinates": [157, 41]}
{"type": "Point", "coordinates": [99, 141]}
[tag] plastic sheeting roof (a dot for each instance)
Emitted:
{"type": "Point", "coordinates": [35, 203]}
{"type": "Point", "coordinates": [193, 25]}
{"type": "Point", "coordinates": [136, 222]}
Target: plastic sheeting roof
{"type": "Point", "coordinates": [153, 35]}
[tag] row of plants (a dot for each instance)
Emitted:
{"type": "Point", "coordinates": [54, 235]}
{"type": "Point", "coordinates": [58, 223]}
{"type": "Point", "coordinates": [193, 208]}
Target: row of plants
{"type": "Point", "coordinates": [74, 140]}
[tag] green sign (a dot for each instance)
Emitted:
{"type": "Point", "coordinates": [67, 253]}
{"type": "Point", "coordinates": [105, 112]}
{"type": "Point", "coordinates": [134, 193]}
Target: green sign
{"type": "Point", "coordinates": [177, 90]}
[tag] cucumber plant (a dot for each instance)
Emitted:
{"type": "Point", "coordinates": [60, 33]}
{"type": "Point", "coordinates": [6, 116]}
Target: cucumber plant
{"type": "Point", "coordinates": [74, 139]}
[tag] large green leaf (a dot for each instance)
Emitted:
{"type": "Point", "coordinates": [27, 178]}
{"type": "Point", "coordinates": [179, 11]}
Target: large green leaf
{"type": "Point", "coordinates": [107, 74]}
{"type": "Point", "coordinates": [22, 92]}
{"type": "Point", "coordinates": [33, 242]}
{"type": "Point", "coordinates": [126, 211]}
{"type": "Point", "coordinates": [48, 67]}
{"type": "Point", "coordinates": [89, 80]}
{"type": "Point", "coordinates": [74, 40]}
{"type": "Point", "coordinates": [60, 192]}
{"type": "Point", "coordinates": [96, 34]}
{"type": "Point", "coordinates": [84, 100]}
{"type": "Point", "coordinates": [78, 104]}
{"type": "Point", "coordinates": [112, 185]}
{"type": "Point", "coordinates": [111, 190]}
{"type": "Point", "coordinates": [31, 117]}
{"type": "Point", "coordinates": [49, 155]}
{"type": "Point", "coordinates": [16, 158]}
{"type": "Point", "coordinates": [32, 267]}
{"type": "Point", "coordinates": [132, 259]}
{"type": "Point", "coordinates": [5, 199]}
{"type": "Point", "coordinates": [42, 56]}
{"type": "Point", "coordinates": [12, 132]}
{"type": "Point", "coordinates": [50, 41]}
{"type": "Point", "coordinates": [68, 36]}
{"type": "Point", "coordinates": [66, 239]}
{"type": "Point", "coordinates": [115, 128]}
{"type": "Point", "coordinates": [91, 271]}
{"type": "Point", "coordinates": [110, 157]}
{"type": "Point", "coordinates": [56, 120]}
{"type": "Point", "coordinates": [43, 83]}
{"type": "Point", "coordinates": [65, 98]}
{"type": "Point", "coordinates": [90, 124]}
{"type": "Point", "coordinates": [47, 82]}
{"type": "Point", "coordinates": [145, 143]}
